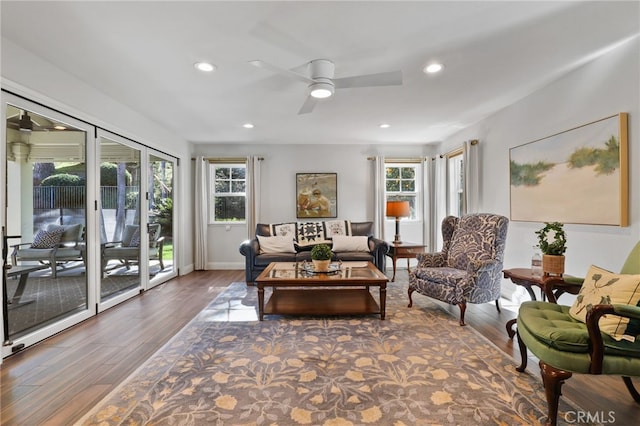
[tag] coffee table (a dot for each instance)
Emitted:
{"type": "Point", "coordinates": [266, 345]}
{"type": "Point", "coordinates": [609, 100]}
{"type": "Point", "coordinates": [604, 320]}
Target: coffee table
{"type": "Point", "coordinates": [297, 290]}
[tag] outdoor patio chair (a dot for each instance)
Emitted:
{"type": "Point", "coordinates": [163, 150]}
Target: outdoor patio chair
{"type": "Point", "coordinates": [127, 250]}
{"type": "Point", "coordinates": [54, 246]}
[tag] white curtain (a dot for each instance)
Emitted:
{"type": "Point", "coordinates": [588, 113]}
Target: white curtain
{"type": "Point", "coordinates": [379, 201]}
{"type": "Point", "coordinates": [201, 217]}
{"type": "Point", "coordinates": [471, 190]}
{"type": "Point", "coordinates": [253, 194]}
{"type": "Point", "coordinates": [439, 198]}
{"type": "Point", "coordinates": [428, 203]}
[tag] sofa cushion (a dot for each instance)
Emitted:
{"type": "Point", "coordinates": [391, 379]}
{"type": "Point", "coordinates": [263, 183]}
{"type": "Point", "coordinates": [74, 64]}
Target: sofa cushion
{"type": "Point", "coordinates": [277, 244]}
{"type": "Point", "coordinates": [343, 243]}
{"type": "Point", "coordinates": [336, 227]}
{"type": "Point", "coordinates": [310, 233]}
{"type": "Point", "coordinates": [283, 229]}
{"type": "Point", "coordinates": [604, 287]}
{"type": "Point", "coordinates": [553, 326]}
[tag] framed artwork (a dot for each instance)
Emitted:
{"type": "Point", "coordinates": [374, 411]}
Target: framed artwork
{"type": "Point", "coordinates": [577, 176]}
{"type": "Point", "coordinates": [316, 195]}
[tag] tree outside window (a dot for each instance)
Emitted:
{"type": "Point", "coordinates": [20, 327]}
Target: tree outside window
{"type": "Point", "coordinates": [401, 185]}
{"type": "Point", "coordinates": [229, 192]}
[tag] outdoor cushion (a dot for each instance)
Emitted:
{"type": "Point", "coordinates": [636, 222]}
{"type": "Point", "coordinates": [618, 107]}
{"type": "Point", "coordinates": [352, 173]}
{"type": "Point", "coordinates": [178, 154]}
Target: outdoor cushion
{"type": "Point", "coordinates": [46, 239]}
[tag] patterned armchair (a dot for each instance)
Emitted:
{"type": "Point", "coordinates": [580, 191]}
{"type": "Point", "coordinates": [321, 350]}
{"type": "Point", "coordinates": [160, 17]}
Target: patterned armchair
{"type": "Point", "coordinates": [468, 269]}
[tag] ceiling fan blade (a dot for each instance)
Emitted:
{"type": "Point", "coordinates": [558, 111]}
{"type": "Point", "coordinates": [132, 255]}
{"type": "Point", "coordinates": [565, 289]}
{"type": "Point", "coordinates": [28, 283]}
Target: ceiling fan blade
{"type": "Point", "coordinates": [262, 64]}
{"type": "Point", "coordinates": [308, 105]}
{"type": "Point", "coordinates": [392, 78]}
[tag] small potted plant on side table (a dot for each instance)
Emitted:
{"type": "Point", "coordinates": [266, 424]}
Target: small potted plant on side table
{"type": "Point", "coordinates": [321, 255]}
{"type": "Point", "coordinates": [552, 242]}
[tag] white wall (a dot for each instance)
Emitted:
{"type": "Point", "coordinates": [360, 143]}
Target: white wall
{"type": "Point", "coordinates": [601, 88]}
{"type": "Point", "coordinates": [40, 81]}
{"type": "Point", "coordinates": [279, 168]}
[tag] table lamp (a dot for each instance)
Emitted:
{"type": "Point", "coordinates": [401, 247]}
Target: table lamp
{"type": "Point", "coordinates": [398, 209]}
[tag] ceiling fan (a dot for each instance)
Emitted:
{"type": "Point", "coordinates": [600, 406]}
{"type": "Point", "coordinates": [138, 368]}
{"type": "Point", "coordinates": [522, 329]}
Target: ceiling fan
{"type": "Point", "coordinates": [22, 121]}
{"type": "Point", "coordinates": [322, 84]}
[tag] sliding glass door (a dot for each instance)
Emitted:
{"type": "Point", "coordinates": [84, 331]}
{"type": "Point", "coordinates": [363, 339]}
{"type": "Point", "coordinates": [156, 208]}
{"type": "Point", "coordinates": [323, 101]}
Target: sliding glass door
{"type": "Point", "coordinates": [45, 216]}
{"type": "Point", "coordinates": [87, 221]}
{"type": "Point", "coordinates": [160, 173]}
{"type": "Point", "coordinates": [119, 218]}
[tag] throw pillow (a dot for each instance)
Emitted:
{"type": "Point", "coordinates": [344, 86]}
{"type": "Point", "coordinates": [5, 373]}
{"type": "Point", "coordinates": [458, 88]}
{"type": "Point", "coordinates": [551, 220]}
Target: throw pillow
{"type": "Point", "coordinates": [283, 229]}
{"type": "Point", "coordinates": [342, 243]}
{"type": "Point", "coordinates": [135, 239]}
{"type": "Point", "coordinates": [336, 227]}
{"type": "Point", "coordinates": [277, 244]}
{"type": "Point", "coordinates": [604, 287]}
{"type": "Point", "coordinates": [47, 239]}
{"type": "Point", "coordinates": [310, 233]}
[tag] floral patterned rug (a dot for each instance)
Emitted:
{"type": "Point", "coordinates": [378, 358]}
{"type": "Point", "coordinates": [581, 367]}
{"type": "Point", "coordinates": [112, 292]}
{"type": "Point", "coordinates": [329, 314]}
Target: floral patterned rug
{"type": "Point", "coordinates": [417, 367]}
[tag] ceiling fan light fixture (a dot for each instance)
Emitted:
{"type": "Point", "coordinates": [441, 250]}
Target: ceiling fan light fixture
{"type": "Point", "coordinates": [432, 68]}
{"type": "Point", "coordinates": [25, 123]}
{"type": "Point", "coordinates": [321, 90]}
{"type": "Point", "coordinates": [204, 66]}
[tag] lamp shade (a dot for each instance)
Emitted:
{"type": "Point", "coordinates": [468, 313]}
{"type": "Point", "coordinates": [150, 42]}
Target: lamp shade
{"type": "Point", "coordinates": [398, 209]}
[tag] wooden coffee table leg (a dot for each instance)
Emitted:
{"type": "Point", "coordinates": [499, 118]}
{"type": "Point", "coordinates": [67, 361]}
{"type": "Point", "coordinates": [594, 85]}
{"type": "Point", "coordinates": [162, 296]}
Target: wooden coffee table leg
{"type": "Point", "coordinates": [383, 300]}
{"type": "Point", "coordinates": [260, 301]}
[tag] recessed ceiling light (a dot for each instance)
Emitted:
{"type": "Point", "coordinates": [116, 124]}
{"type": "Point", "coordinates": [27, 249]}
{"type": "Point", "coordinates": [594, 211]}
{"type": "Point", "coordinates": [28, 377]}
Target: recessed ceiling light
{"type": "Point", "coordinates": [432, 68]}
{"type": "Point", "coordinates": [248, 125]}
{"type": "Point", "coordinates": [59, 127]}
{"type": "Point", "coordinates": [204, 66]}
{"type": "Point", "coordinates": [385, 125]}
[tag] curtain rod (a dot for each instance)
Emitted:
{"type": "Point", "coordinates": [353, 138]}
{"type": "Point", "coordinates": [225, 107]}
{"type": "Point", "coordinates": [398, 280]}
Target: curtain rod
{"type": "Point", "coordinates": [458, 151]}
{"type": "Point", "coordinates": [400, 160]}
{"type": "Point", "coordinates": [226, 160]}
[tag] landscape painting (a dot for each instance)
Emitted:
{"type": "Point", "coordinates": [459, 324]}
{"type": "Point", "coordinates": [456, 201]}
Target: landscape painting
{"type": "Point", "coordinates": [576, 176]}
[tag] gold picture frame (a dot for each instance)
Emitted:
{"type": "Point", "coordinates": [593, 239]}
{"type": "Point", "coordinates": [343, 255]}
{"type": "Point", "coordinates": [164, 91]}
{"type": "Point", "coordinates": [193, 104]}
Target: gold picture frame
{"type": "Point", "coordinates": [316, 195]}
{"type": "Point", "coordinates": [580, 175]}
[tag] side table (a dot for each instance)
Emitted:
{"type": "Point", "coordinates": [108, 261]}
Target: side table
{"type": "Point", "coordinates": [551, 286]}
{"type": "Point", "coordinates": [403, 250]}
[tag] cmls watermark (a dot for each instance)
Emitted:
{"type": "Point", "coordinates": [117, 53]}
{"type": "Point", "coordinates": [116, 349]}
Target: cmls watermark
{"type": "Point", "coordinates": [601, 417]}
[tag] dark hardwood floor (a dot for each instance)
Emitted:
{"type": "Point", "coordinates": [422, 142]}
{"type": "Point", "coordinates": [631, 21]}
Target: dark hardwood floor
{"type": "Point", "coordinates": [57, 381]}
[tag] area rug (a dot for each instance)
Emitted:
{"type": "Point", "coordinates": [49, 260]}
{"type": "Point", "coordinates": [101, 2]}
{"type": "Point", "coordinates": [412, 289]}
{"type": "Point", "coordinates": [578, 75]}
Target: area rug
{"type": "Point", "coordinates": [417, 367]}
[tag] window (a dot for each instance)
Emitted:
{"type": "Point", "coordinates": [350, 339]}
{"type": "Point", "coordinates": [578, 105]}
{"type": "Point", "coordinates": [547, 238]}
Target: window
{"type": "Point", "coordinates": [455, 184]}
{"type": "Point", "coordinates": [228, 183]}
{"type": "Point", "coordinates": [402, 184]}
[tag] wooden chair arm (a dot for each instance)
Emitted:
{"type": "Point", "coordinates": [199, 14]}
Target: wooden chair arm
{"type": "Point", "coordinates": [595, 335]}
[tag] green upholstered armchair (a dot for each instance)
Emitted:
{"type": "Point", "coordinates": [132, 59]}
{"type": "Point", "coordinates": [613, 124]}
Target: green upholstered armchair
{"type": "Point", "coordinates": [565, 345]}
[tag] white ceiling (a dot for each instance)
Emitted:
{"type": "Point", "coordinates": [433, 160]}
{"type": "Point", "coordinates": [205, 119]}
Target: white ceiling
{"type": "Point", "coordinates": [142, 55]}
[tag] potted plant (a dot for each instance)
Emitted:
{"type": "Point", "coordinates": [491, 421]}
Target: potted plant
{"type": "Point", "coordinates": [321, 255]}
{"type": "Point", "coordinates": [552, 242]}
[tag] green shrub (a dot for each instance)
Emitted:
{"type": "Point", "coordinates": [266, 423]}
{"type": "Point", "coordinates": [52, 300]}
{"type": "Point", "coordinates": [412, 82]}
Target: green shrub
{"type": "Point", "coordinates": [109, 175]}
{"type": "Point", "coordinates": [62, 179]}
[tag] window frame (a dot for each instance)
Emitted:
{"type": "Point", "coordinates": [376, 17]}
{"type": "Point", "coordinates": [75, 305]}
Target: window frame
{"type": "Point", "coordinates": [213, 194]}
{"type": "Point", "coordinates": [416, 165]}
